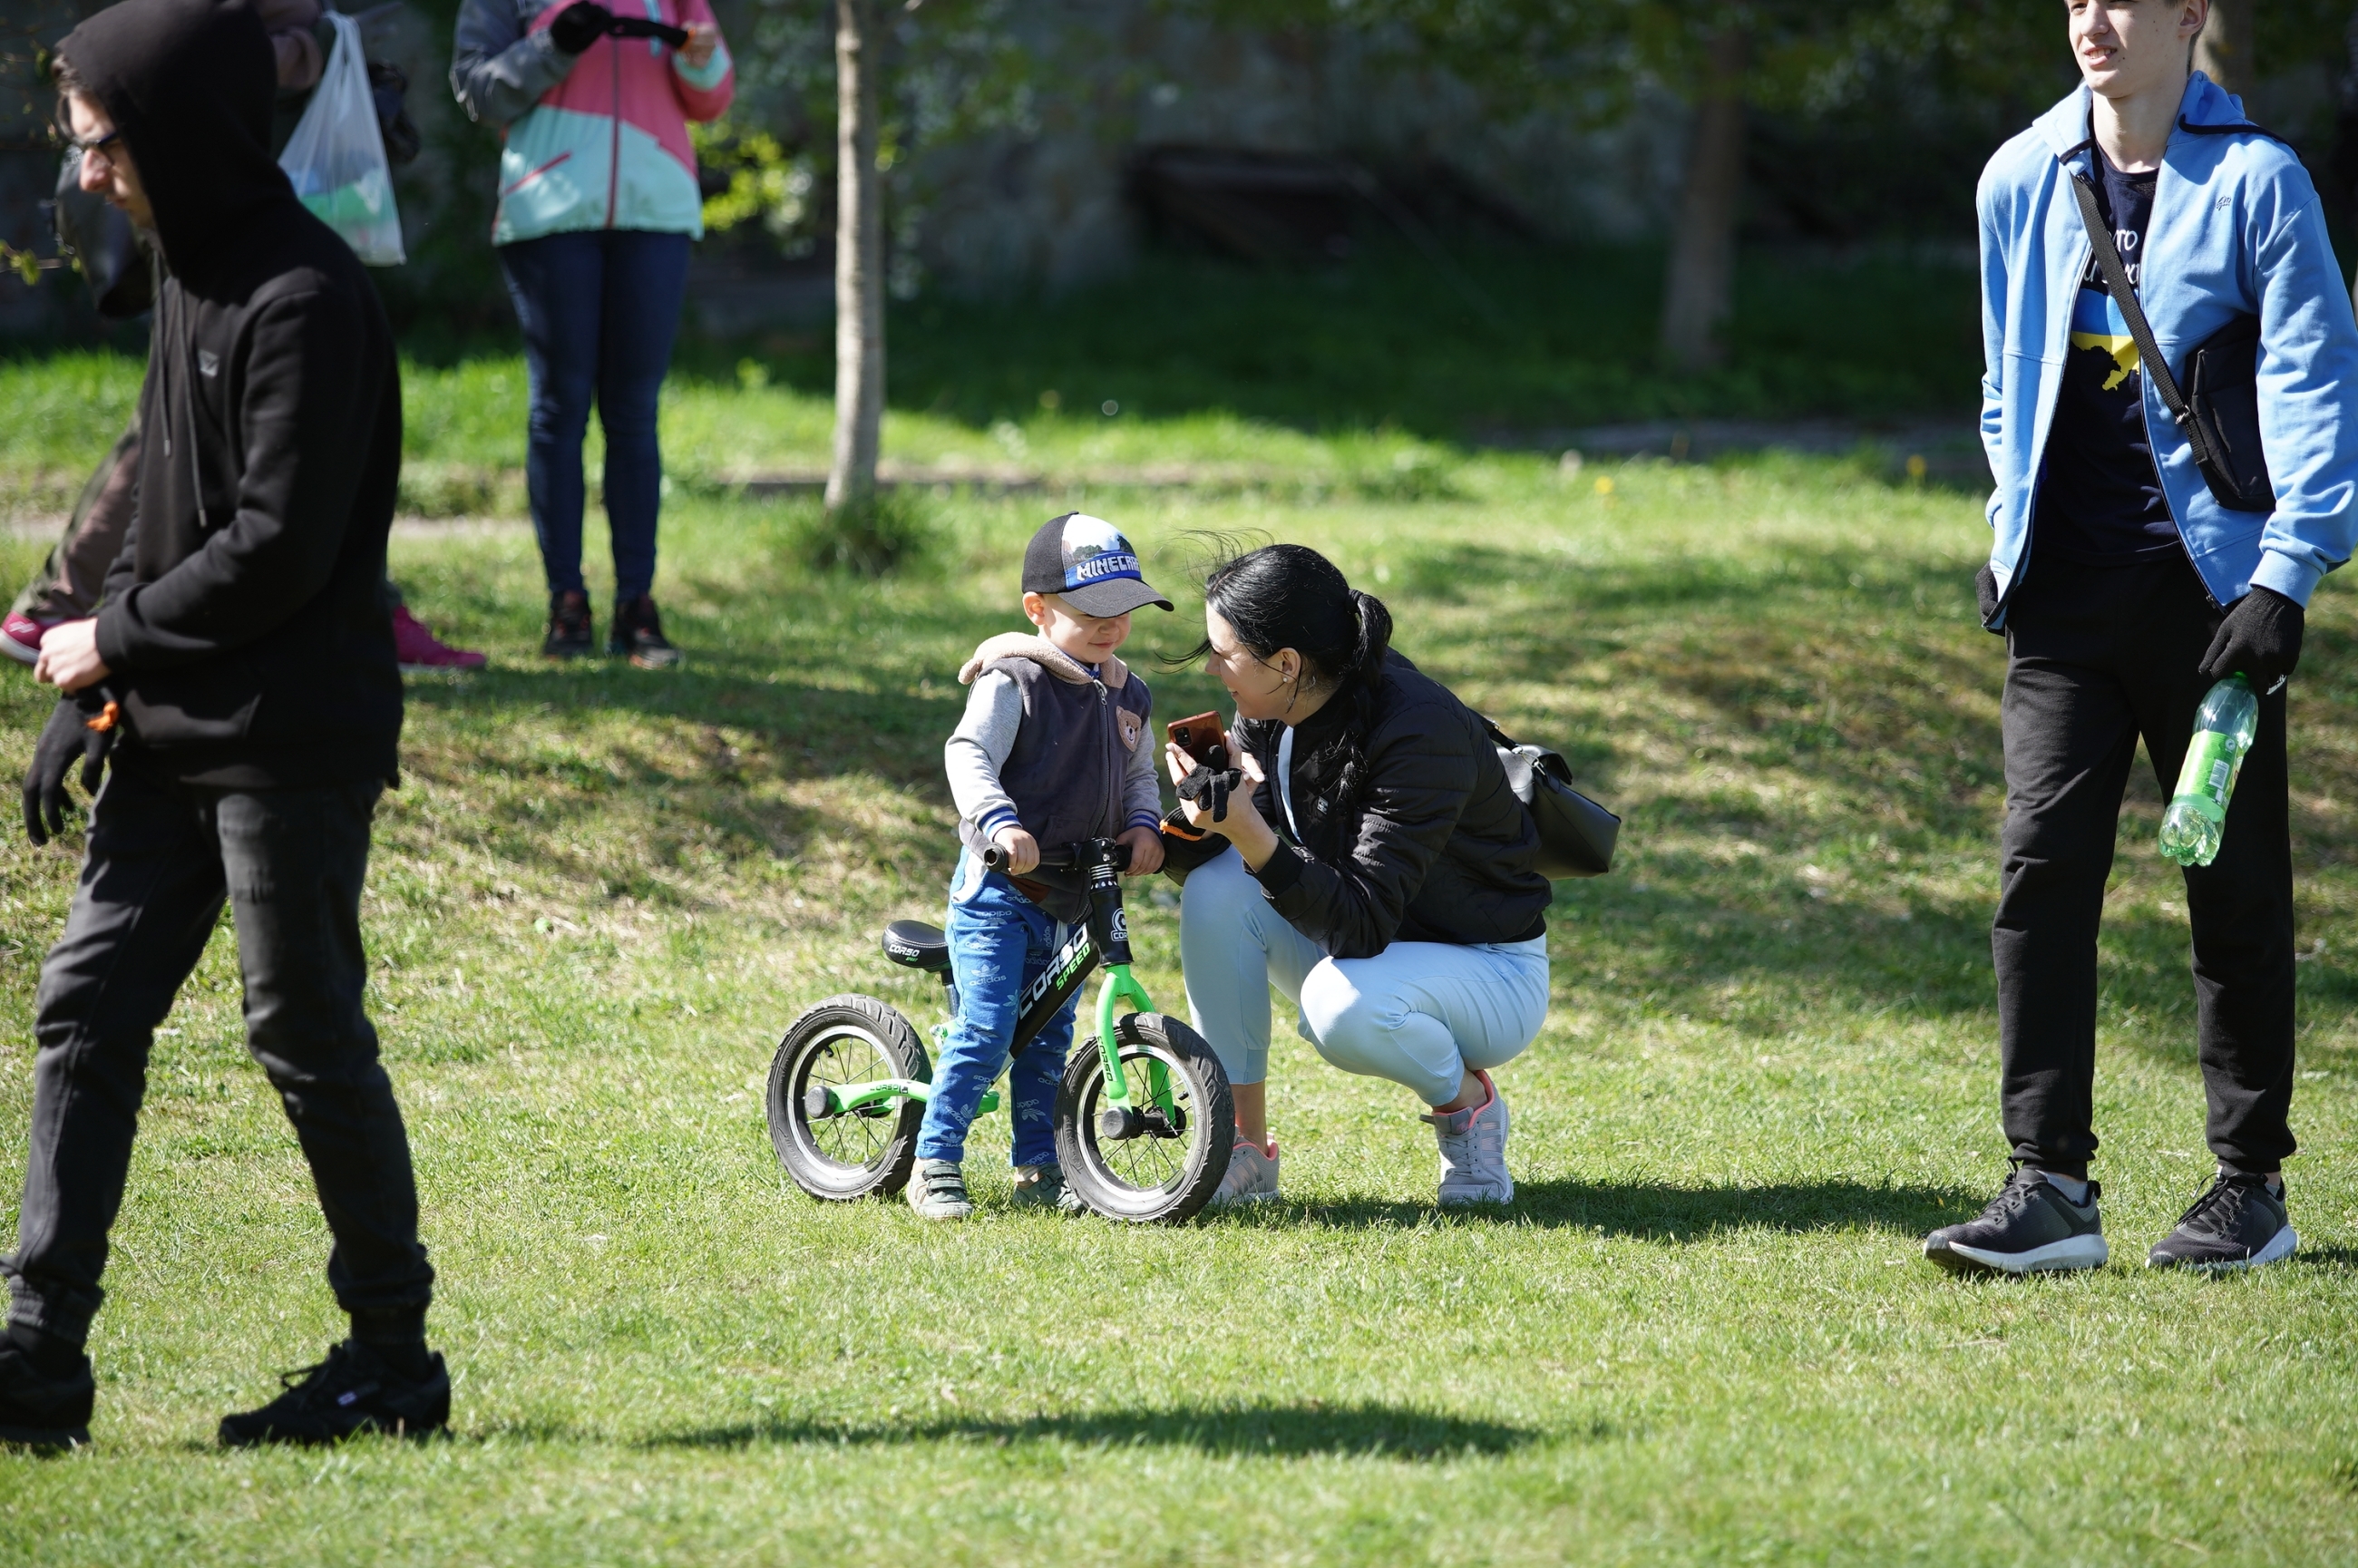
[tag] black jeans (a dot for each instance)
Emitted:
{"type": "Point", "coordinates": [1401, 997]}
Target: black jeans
{"type": "Point", "coordinates": [162, 858]}
{"type": "Point", "coordinates": [2097, 658]}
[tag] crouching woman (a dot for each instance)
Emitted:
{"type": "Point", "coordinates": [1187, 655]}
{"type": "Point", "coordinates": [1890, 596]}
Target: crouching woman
{"type": "Point", "coordinates": [1384, 875]}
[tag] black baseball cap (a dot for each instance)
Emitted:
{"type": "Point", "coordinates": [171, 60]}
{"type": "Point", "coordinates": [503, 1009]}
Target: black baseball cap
{"type": "Point", "coordinates": [1092, 567]}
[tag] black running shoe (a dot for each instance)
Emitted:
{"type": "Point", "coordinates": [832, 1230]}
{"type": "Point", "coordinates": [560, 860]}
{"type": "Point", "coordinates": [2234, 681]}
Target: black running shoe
{"type": "Point", "coordinates": [353, 1390]}
{"type": "Point", "coordinates": [2029, 1227]}
{"type": "Point", "coordinates": [570, 634]}
{"type": "Point", "coordinates": [2238, 1224]}
{"type": "Point", "coordinates": [43, 1409]}
{"type": "Point", "coordinates": [638, 635]}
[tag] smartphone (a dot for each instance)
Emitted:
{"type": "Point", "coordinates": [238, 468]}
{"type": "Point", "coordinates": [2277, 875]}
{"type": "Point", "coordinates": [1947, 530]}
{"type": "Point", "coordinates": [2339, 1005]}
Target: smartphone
{"type": "Point", "coordinates": [1203, 737]}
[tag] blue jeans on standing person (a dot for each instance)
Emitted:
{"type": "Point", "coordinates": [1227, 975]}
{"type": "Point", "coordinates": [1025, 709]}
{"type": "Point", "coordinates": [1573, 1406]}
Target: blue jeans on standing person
{"type": "Point", "coordinates": [600, 309]}
{"type": "Point", "coordinates": [999, 942]}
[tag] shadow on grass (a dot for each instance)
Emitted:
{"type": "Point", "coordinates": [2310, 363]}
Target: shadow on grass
{"type": "Point", "coordinates": [1653, 1211]}
{"type": "Point", "coordinates": [1358, 1431]}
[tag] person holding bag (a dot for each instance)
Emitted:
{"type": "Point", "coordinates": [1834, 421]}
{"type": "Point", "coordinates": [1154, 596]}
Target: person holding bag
{"type": "Point", "coordinates": [1385, 875]}
{"type": "Point", "coordinates": [598, 204]}
{"type": "Point", "coordinates": [2170, 353]}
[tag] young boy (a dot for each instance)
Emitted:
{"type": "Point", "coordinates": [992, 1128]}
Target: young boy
{"type": "Point", "coordinates": [1053, 749]}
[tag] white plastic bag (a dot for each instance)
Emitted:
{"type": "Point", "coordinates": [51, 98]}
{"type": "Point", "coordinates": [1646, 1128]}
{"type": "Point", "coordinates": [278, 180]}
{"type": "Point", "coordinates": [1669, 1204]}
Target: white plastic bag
{"type": "Point", "coordinates": [336, 156]}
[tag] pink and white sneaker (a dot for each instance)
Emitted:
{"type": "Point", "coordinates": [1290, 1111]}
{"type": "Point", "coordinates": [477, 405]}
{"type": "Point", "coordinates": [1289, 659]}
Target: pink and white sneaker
{"type": "Point", "coordinates": [20, 636]}
{"type": "Point", "coordinates": [420, 650]}
{"type": "Point", "coordinates": [1251, 1178]}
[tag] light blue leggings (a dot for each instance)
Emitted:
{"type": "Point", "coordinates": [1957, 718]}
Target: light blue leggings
{"type": "Point", "coordinates": [1419, 1013]}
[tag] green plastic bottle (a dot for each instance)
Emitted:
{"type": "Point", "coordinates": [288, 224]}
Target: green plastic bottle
{"type": "Point", "coordinates": [2196, 823]}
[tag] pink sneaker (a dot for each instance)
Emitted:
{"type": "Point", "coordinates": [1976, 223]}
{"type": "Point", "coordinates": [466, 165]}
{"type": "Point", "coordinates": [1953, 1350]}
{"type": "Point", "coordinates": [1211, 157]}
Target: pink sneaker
{"type": "Point", "coordinates": [21, 637]}
{"type": "Point", "coordinates": [419, 650]}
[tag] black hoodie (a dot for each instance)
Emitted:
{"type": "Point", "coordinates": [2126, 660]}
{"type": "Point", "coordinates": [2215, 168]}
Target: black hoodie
{"type": "Point", "coordinates": [245, 623]}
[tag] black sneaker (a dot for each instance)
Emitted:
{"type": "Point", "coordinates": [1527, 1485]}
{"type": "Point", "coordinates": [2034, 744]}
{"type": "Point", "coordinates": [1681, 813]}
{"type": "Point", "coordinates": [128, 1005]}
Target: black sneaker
{"type": "Point", "coordinates": [2029, 1227]}
{"type": "Point", "coordinates": [2238, 1224]}
{"type": "Point", "coordinates": [43, 1408]}
{"type": "Point", "coordinates": [570, 635]}
{"type": "Point", "coordinates": [638, 635]}
{"type": "Point", "coordinates": [353, 1390]}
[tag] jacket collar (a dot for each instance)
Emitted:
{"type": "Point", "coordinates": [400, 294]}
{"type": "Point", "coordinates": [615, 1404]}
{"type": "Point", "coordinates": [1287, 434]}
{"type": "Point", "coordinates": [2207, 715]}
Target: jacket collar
{"type": "Point", "coordinates": [2065, 130]}
{"type": "Point", "coordinates": [1047, 655]}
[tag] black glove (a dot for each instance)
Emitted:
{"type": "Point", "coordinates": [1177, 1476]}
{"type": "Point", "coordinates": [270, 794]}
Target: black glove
{"type": "Point", "coordinates": [2260, 639]}
{"type": "Point", "coordinates": [1209, 788]}
{"type": "Point", "coordinates": [80, 726]}
{"type": "Point", "coordinates": [580, 26]}
{"type": "Point", "coordinates": [1985, 594]}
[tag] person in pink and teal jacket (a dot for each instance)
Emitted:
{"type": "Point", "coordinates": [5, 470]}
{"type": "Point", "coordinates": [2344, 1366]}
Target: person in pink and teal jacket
{"type": "Point", "coordinates": [598, 204]}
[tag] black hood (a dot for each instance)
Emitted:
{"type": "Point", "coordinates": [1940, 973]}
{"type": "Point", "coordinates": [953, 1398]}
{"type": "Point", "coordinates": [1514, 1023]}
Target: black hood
{"type": "Point", "coordinates": [189, 84]}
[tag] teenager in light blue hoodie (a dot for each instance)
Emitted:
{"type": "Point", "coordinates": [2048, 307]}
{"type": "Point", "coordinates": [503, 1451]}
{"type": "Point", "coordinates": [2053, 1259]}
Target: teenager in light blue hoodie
{"type": "Point", "coordinates": [2124, 590]}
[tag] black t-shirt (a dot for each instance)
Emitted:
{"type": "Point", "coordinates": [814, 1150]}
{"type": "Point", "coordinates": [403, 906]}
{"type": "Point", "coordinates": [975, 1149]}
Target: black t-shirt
{"type": "Point", "coordinates": [2099, 497]}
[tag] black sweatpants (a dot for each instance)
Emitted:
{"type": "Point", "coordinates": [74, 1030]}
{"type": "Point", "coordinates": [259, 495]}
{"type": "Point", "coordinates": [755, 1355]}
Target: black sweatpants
{"type": "Point", "coordinates": [162, 858]}
{"type": "Point", "coordinates": [2097, 658]}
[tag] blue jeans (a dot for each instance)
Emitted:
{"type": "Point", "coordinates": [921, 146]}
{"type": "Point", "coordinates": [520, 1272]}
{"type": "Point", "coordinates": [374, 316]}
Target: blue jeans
{"type": "Point", "coordinates": [599, 311]}
{"type": "Point", "coordinates": [999, 942]}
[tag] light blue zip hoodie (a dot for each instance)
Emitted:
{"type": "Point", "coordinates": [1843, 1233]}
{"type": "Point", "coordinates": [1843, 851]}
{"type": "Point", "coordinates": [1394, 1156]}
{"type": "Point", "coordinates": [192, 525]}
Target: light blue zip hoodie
{"type": "Point", "coordinates": [2236, 229]}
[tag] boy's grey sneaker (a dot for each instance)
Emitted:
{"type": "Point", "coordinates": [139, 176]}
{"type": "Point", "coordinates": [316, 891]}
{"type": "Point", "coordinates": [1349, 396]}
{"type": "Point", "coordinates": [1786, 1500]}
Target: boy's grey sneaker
{"type": "Point", "coordinates": [1474, 1150]}
{"type": "Point", "coordinates": [1251, 1178]}
{"type": "Point", "coordinates": [2031, 1226]}
{"type": "Point", "coordinates": [2238, 1224]}
{"type": "Point", "coordinates": [1040, 1186]}
{"type": "Point", "coordinates": [938, 1190]}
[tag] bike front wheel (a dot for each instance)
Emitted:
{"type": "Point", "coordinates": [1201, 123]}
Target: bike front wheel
{"type": "Point", "coordinates": [1162, 1160]}
{"type": "Point", "coordinates": [843, 1041]}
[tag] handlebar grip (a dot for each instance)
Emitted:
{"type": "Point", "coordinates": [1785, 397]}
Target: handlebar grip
{"type": "Point", "coordinates": [994, 858]}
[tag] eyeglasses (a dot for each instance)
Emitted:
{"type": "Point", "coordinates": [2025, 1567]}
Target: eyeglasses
{"type": "Point", "coordinates": [87, 146]}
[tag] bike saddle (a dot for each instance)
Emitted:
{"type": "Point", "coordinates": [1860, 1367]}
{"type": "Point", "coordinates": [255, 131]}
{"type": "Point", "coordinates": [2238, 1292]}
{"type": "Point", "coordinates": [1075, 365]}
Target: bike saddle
{"type": "Point", "coordinates": [917, 946]}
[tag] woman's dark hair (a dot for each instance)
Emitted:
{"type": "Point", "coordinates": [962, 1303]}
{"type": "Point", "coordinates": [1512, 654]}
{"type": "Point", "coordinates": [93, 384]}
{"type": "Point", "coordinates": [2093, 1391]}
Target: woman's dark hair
{"type": "Point", "coordinates": [66, 79]}
{"type": "Point", "coordinates": [1290, 596]}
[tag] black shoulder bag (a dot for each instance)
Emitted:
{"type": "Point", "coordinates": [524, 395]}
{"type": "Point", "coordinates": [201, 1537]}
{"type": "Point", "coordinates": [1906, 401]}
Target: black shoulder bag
{"type": "Point", "coordinates": [2220, 409]}
{"type": "Point", "coordinates": [1576, 835]}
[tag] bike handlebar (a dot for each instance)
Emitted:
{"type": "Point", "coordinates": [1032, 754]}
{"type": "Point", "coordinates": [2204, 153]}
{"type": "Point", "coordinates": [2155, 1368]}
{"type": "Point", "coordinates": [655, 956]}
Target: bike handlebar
{"type": "Point", "coordinates": [1068, 858]}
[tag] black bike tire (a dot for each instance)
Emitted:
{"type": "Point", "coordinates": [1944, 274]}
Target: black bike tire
{"type": "Point", "coordinates": [832, 1181]}
{"type": "Point", "coordinates": [1085, 1173]}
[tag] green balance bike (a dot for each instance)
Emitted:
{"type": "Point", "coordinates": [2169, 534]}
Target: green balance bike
{"type": "Point", "coordinates": [1144, 1120]}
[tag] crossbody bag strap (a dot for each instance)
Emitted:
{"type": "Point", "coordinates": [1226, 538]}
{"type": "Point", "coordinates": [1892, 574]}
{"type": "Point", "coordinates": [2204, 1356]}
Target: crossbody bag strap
{"type": "Point", "coordinates": [2117, 281]}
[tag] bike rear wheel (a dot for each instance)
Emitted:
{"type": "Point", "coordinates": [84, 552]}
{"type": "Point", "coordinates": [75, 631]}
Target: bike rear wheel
{"type": "Point", "coordinates": [1166, 1171]}
{"type": "Point", "coordinates": [846, 1040]}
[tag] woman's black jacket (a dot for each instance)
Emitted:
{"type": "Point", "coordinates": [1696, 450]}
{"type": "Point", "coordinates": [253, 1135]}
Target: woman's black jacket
{"type": "Point", "coordinates": [1436, 848]}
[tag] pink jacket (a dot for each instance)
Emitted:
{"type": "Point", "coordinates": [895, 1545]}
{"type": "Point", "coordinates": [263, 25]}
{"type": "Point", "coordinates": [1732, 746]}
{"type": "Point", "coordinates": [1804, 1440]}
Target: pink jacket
{"type": "Point", "coordinates": [594, 141]}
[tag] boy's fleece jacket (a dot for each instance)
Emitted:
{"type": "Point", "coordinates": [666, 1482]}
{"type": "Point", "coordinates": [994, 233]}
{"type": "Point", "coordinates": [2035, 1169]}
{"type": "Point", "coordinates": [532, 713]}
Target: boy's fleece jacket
{"type": "Point", "coordinates": [1046, 746]}
{"type": "Point", "coordinates": [245, 621]}
{"type": "Point", "coordinates": [597, 140]}
{"type": "Point", "coordinates": [2236, 229]}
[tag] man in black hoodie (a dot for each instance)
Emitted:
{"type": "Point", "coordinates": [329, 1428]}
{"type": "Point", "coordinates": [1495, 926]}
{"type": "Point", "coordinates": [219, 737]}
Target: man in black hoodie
{"type": "Point", "coordinates": [242, 671]}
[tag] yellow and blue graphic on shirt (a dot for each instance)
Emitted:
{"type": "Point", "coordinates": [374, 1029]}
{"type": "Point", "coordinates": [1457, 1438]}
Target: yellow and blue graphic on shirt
{"type": "Point", "coordinates": [2097, 323]}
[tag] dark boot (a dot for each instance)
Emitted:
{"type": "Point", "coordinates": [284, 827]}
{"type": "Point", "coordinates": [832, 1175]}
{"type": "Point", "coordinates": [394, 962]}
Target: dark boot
{"type": "Point", "coordinates": [46, 1390]}
{"type": "Point", "coordinates": [570, 634]}
{"type": "Point", "coordinates": [353, 1390]}
{"type": "Point", "coordinates": [638, 635]}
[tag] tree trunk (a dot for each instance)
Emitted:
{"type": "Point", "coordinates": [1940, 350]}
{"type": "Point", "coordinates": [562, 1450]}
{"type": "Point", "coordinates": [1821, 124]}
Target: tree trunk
{"type": "Point", "coordinates": [1698, 296]}
{"type": "Point", "coordinates": [858, 259]}
{"type": "Point", "coordinates": [2224, 52]}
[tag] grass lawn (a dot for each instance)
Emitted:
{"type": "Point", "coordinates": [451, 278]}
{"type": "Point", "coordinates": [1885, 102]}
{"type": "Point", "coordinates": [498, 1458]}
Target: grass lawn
{"type": "Point", "coordinates": [1702, 1333]}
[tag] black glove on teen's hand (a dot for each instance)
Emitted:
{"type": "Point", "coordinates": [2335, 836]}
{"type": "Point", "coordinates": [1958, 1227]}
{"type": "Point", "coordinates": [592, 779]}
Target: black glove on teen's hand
{"type": "Point", "coordinates": [1985, 593]}
{"type": "Point", "coordinates": [66, 736]}
{"type": "Point", "coordinates": [1209, 788]}
{"type": "Point", "coordinates": [2260, 638]}
{"type": "Point", "coordinates": [580, 26]}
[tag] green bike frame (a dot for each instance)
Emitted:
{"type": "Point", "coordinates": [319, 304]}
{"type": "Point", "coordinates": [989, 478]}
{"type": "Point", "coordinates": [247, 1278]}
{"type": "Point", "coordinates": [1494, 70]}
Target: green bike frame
{"type": "Point", "coordinates": [1103, 938]}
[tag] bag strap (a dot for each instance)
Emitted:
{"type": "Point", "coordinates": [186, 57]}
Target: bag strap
{"type": "Point", "coordinates": [2116, 282]}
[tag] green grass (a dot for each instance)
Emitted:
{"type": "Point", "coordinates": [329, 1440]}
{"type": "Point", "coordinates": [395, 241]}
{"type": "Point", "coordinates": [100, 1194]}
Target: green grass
{"type": "Point", "coordinates": [1369, 380]}
{"type": "Point", "coordinates": [1701, 1334]}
